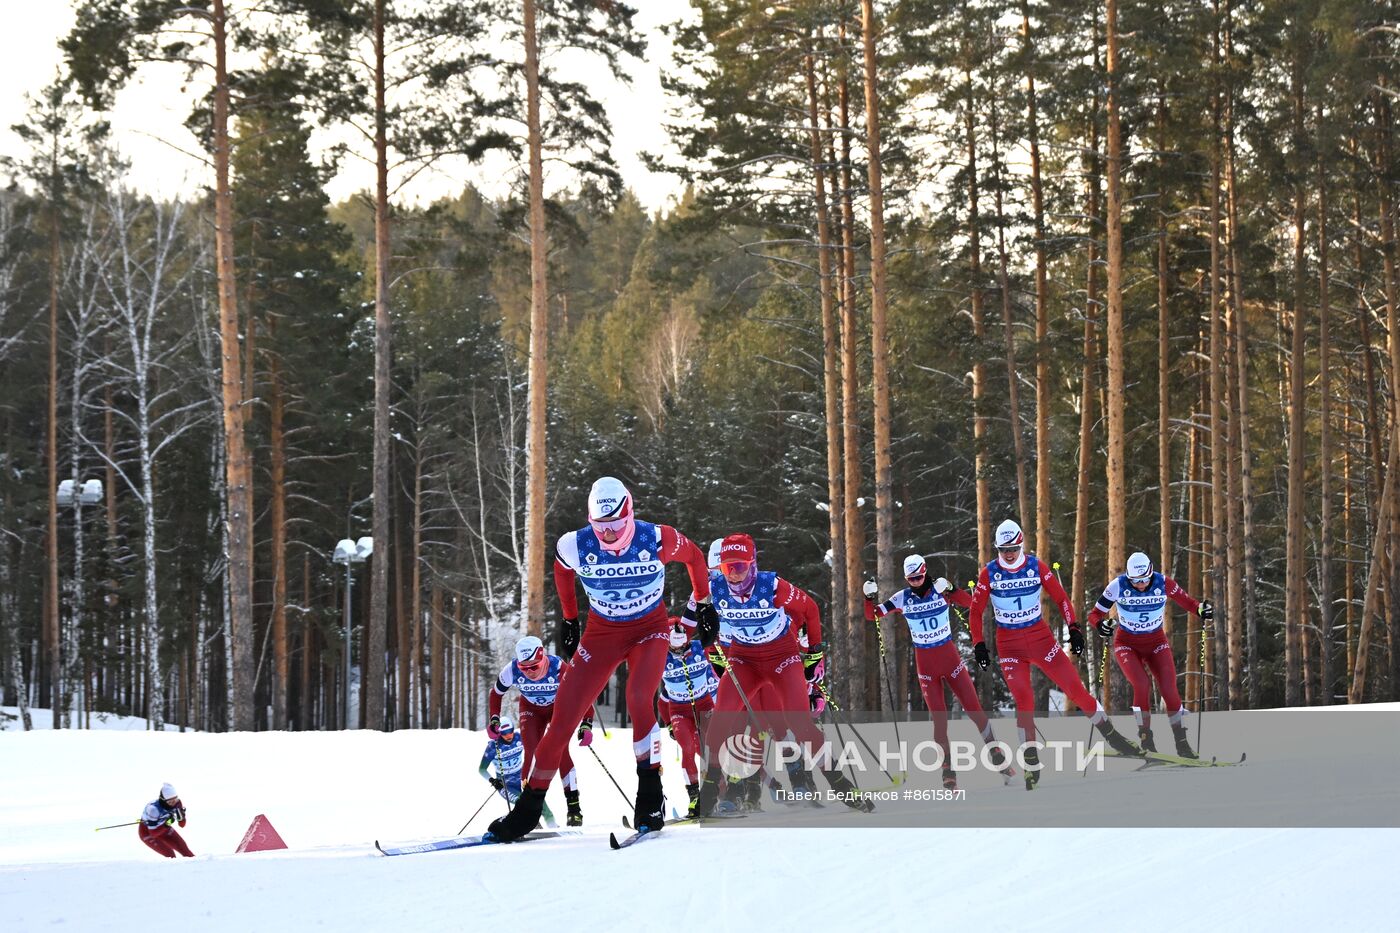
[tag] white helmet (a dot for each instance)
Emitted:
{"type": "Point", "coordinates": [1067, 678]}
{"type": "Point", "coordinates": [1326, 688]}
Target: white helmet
{"type": "Point", "coordinates": [1009, 535]}
{"type": "Point", "coordinates": [679, 637]}
{"type": "Point", "coordinates": [610, 514]}
{"type": "Point", "coordinates": [1139, 567]}
{"type": "Point", "coordinates": [529, 651]}
{"type": "Point", "coordinates": [505, 725]}
{"type": "Point", "coordinates": [712, 558]}
{"type": "Point", "coordinates": [914, 566]}
{"type": "Point", "coordinates": [168, 792]}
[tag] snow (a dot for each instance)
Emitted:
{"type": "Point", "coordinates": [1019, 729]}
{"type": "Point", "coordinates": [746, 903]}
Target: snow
{"type": "Point", "coordinates": [331, 794]}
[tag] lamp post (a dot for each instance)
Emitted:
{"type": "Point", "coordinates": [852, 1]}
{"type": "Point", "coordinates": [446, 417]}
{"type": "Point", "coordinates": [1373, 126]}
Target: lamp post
{"type": "Point", "coordinates": [72, 494]}
{"type": "Point", "coordinates": [349, 553]}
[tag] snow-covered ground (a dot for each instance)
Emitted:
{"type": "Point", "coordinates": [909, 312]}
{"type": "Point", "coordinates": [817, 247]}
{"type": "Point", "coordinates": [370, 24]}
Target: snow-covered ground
{"type": "Point", "coordinates": [330, 795]}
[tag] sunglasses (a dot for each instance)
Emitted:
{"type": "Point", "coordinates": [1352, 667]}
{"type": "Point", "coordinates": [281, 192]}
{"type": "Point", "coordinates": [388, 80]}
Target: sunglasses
{"type": "Point", "coordinates": [616, 526]}
{"type": "Point", "coordinates": [916, 576]}
{"type": "Point", "coordinates": [734, 567]}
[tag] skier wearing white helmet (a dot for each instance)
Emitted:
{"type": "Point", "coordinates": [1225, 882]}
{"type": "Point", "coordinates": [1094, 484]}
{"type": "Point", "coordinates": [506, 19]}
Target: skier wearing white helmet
{"type": "Point", "coordinates": [157, 825]}
{"type": "Point", "coordinates": [1141, 645]}
{"type": "Point", "coordinates": [924, 604]}
{"type": "Point", "coordinates": [688, 687]}
{"type": "Point", "coordinates": [1013, 583]}
{"type": "Point", "coordinates": [621, 562]}
{"type": "Point", "coordinates": [537, 675]}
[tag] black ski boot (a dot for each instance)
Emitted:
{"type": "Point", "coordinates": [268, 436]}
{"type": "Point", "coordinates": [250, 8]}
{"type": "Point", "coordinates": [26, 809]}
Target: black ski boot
{"type": "Point", "coordinates": [751, 794]}
{"type": "Point", "coordinates": [693, 791]}
{"type": "Point", "coordinates": [522, 818]}
{"type": "Point", "coordinates": [651, 802]}
{"type": "Point", "coordinates": [1183, 747]}
{"type": "Point", "coordinates": [1145, 739]}
{"type": "Point", "coordinates": [950, 779]}
{"type": "Point", "coordinates": [1032, 758]}
{"type": "Point", "coordinates": [708, 797]}
{"type": "Point", "coordinates": [847, 792]}
{"type": "Point", "coordinates": [575, 815]}
{"type": "Point", "coordinates": [802, 783]}
{"type": "Point", "coordinates": [1117, 742]}
{"type": "Point", "coordinates": [998, 759]}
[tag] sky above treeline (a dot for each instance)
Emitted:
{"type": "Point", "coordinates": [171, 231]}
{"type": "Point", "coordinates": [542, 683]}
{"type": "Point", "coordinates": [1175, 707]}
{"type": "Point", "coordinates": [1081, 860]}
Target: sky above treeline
{"type": "Point", "coordinates": [148, 120]}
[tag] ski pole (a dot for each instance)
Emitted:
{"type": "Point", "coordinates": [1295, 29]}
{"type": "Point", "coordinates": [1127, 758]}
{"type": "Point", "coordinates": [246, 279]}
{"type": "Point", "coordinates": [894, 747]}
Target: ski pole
{"type": "Point", "coordinates": [889, 681]}
{"type": "Point", "coordinates": [478, 811]}
{"type": "Point", "coordinates": [597, 717]}
{"type": "Point", "coordinates": [1201, 688]}
{"type": "Point", "coordinates": [116, 826]}
{"type": "Point", "coordinates": [856, 732]}
{"type": "Point", "coordinates": [610, 777]}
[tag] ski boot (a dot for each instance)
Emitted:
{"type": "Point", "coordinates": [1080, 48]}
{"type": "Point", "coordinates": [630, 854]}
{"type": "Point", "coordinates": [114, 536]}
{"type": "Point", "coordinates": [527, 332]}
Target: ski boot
{"type": "Point", "coordinates": [950, 779]}
{"type": "Point", "coordinates": [651, 803]}
{"type": "Point", "coordinates": [1117, 742]}
{"type": "Point", "coordinates": [522, 818]}
{"type": "Point", "coordinates": [998, 759]}
{"type": "Point", "coordinates": [693, 791]}
{"type": "Point", "coordinates": [1032, 768]}
{"type": "Point", "coordinates": [575, 814]}
{"type": "Point", "coordinates": [708, 798]}
{"type": "Point", "coordinates": [848, 793]}
{"type": "Point", "coordinates": [751, 789]}
{"type": "Point", "coordinates": [1183, 747]}
{"type": "Point", "coordinates": [1145, 739]}
{"type": "Point", "coordinates": [802, 783]}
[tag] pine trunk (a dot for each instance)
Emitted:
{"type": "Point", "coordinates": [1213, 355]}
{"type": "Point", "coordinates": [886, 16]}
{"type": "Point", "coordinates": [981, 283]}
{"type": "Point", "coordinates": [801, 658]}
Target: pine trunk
{"type": "Point", "coordinates": [831, 376]}
{"type": "Point", "coordinates": [53, 607]}
{"type": "Point", "coordinates": [1219, 439]}
{"type": "Point", "coordinates": [1013, 387]}
{"type": "Point", "coordinates": [1116, 492]}
{"type": "Point", "coordinates": [1164, 427]}
{"type": "Point", "coordinates": [277, 493]}
{"type": "Point", "coordinates": [1294, 613]}
{"type": "Point", "coordinates": [536, 548]}
{"type": "Point", "coordinates": [1324, 385]}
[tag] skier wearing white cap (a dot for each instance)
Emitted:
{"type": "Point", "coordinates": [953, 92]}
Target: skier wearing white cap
{"type": "Point", "coordinates": [621, 562]}
{"type": "Point", "coordinates": [924, 604]}
{"type": "Point", "coordinates": [1013, 584]}
{"type": "Point", "coordinates": [537, 675]}
{"type": "Point", "coordinates": [158, 821]}
{"type": "Point", "coordinates": [1141, 645]}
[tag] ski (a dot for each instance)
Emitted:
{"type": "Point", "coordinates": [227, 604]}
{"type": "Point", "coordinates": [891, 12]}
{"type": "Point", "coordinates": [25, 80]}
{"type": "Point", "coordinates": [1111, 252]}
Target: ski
{"type": "Point", "coordinates": [1177, 760]}
{"type": "Point", "coordinates": [694, 820]}
{"type": "Point", "coordinates": [633, 839]}
{"type": "Point", "coordinates": [465, 842]}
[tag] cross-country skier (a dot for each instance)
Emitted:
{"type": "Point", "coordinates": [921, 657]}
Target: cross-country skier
{"type": "Point", "coordinates": [759, 614]}
{"type": "Point", "coordinates": [1141, 644]}
{"type": "Point", "coordinates": [621, 562]}
{"type": "Point", "coordinates": [688, 687]}
{"type": "Point", "coordinates": [158, 822]}
{"type": "Point", "coordinates": [505, 752]}
{"type": "Point", "coordinates": [924, 604]}
{"type": "Point", "coordinates": [537, 676]}
{"type": "Point", "coordinates": [1013, 582]}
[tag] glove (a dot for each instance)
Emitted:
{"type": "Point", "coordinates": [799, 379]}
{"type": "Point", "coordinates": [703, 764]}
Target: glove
{"type": "Point", "coordinates": [1076, 640]}
{"type": "Point", "coordinates": [813, 667]}
{"type": "Point", "coordinates": [170, 820]}
{"type": "Point", "coordinates": [1206, 611]}
{"type": "Point", "coordinates": [497, 783]}
{"type": "Point", "coordinates": [870, 590]}
{"type": "Point", "coordinates": [817, 702]}
{"type": "Point", "coordinates": [180, 816]}
{"type": "Point", "coordinates": [585, 733]}
{"type": "Point", "coordinates": [706, 622]}
{"type": "Point", "coordinates": [941, 585]}
{"type": "Point", "coordinates": [493, 729]}
{"type": "Point", "coordinates": [568, 637]}
{"type": "Point", "coordinates": [983, 656]}
{"type": "Point", "coordinates": [1105, 627]}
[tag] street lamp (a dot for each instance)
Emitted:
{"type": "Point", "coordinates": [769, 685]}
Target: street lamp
{"type": "Point", "coordinates": [75, 496]}
{"type": "Point", "coordinates": [349, 553]}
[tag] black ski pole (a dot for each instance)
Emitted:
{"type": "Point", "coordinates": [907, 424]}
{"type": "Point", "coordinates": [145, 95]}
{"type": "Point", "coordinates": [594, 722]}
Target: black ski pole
{"type": "Point", "coordinates": [856, 732]}
{"type": "Point", "coordinates": [116, 826]}
{"type": "Point", "coordinates": [610, 777]}
{"type": "Point", "coordinates": [478, 812]}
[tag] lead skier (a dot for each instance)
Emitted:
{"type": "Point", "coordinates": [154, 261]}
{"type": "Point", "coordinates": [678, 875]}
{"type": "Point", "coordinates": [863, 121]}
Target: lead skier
{"type": "Point", "coordinates": [1013, 583]}
{"type": "Point", "coordinates": [158, 820]}
{"type": "Point", "coordinates": [1141, 645]}
{"type": "Point", "coordinates": [537, 676]}
{"type": "Point", "coordinates": [924, 604]}
{"type": "Point", "coordinates": [621, 562]}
